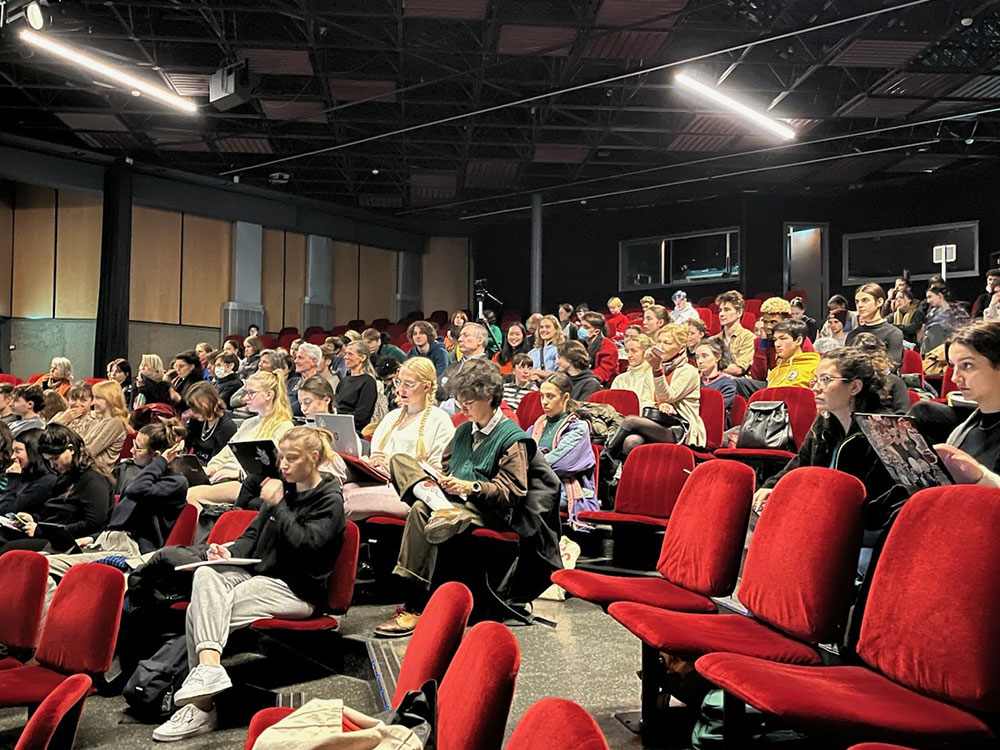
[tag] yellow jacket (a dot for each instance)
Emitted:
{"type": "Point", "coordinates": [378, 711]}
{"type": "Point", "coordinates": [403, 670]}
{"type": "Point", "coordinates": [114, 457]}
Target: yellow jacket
{"type": "Point", "coordinates": [794, 372]}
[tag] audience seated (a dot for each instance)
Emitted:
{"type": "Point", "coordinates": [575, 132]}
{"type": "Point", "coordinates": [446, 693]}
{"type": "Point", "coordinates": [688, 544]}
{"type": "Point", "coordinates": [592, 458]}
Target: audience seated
{"type": "Point", "coordinates": [308, 361]}
{"type": "Point", "coordinates": [654, 318]}
{"type": "Point", "coordinates": [837, 303]}
{"type": "Point", "coordinates": [547, 340]}
{"type": "Point", "coordinates": [60, 377]}
{"type": "Point", "coordinates": [696, 333]}
{"type": "Point", "coordinates": [79, 502]}
{"type": "Point", "coordinates": [520, 382]}
{"type": "Point", "coordinates": [472, 342]}
{"type": "Point", "coordinates": [315, 397]}
{"type": "Point", "coordinates": [6, 400]}
{"type": "Point", "coordinates": [895, 399]}
{"type": "Point", "coordinates": [906, 314]}
{"type": "Point", "coordinates": [677, 390]}
{"type": "Point", "coordinates": [709, 358]}
{"type": "Point", "coordinates": [601, 350]}
{"type": "Point", "coordinates": [296, 535]}
{"type": "Point", "coordinates": [792, 366]}
{"type": "Point", "coordinates": [425, 344]}
{"type": "Point", "coordinates": [225, 378]}
{"type": "Point", "coordinates": [574, 362]}
{"type": "Point", "coordinates": [358, 392]}
{"type": "Point", "coordinates": [267, 400]}
{"type": "Point", "coordinates": [737, 342]}
{"type": "Point", "coordinates": [683, 310]}
{"type": "Point", "coordinates": [252, 347]}
{"type": "Point", "coordinates": [798, 312]}
{"type": "Point", "coordinates": [29, 480]}
{"type": "Point", "coordinates": [337, 366]}
{"type": "Point", "coordinates": [567, 321]}
{"type": "Point", "coordinates": [205, 353]}
{"type": "Point", "coordinates": [79, 399]}
{"type": "Point", "coordinates": [210, 427]}
{"type": "Point", "coordinates": [870, 299]}
{"type": "Point", "coordinates": [478, 487]}
{"type": "Point", "coordinates": [28, 405]}
{"type": "Point", "coordinates": [380, 347]}
{"type": "Point", "coordinates": [646, 302]}
{"type": "Point", "coordinates": [331, 355]}
{"type": "Point", "coordinates": [187, 367]}
{"type": "Point", "coordinates": [564, 441]}
{"type": "Point", "coordinates": [638, 378]}
{"type": "Point", "coordinates": [515, 342]}
{"type": "Point", "coordinates": [616, 320]}
{"type": "Point", "coordinates": [151, 388]}
{"type": "Point", "coordinates": [943, 317]}
{"type": "Point", "coordinates": [54, 403]}
{"type": "Point", "coordinates": [105, 426]}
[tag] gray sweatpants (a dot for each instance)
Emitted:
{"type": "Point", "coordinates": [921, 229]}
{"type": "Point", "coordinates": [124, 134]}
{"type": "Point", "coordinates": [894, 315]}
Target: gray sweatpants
{"type": "Point", "coordinates": [227, 598]}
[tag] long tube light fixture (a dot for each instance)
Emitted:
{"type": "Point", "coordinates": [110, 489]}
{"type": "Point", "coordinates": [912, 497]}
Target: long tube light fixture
{"type": "Point", "coordinates": [85, 61]}
{"type": "Point", "coordinates": [758, 118]}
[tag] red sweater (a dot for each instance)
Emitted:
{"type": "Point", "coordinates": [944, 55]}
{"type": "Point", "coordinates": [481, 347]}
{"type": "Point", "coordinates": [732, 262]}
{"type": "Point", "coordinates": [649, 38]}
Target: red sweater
{"type": "Point", "coordinates": [617, 323]}
{"type": "Point", "coordinates": [605, 362]}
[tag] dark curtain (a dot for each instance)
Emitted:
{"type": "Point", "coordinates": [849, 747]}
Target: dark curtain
{"type": "Point", "coordinates": [111, 340]}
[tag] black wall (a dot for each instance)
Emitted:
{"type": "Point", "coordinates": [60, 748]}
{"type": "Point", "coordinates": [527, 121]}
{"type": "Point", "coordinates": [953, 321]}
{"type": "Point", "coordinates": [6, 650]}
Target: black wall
{"type": "Point", "coordinates": [580, 246]}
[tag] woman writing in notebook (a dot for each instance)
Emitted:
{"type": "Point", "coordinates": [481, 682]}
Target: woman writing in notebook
{"type": "Point", "coordinates": [296, 536]}
{"type": "Point", "coordinates": [417, 428]}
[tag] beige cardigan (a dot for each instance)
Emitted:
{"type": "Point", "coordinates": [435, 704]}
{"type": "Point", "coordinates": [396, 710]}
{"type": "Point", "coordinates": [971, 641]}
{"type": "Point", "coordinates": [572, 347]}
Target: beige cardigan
{"type": "Point", "coordinates": [639, 380]}
{"type": "Point", "coordinates": [682, 395]}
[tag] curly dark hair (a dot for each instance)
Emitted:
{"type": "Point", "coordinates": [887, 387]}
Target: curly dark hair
{"type": "Point", "coordinates": [478, 380]}
{"type": "Point", "coordinates": [856, 364]}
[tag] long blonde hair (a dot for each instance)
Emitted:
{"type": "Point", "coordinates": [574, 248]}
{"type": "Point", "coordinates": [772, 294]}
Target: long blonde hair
{"type": "Point", "coordinates": [281, 411]}
{"type": "Point", "coordinates": [557, 337]}
{"type": "Point", "coordinates": [424, 371]}
{"type": "Point", "coordinates": [316, 440]}
{"type": "Point", "coordinates": [112, 394]}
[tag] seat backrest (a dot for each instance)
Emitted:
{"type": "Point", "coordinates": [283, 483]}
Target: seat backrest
{"type": "Point", "coordinates": [231, 526]}
{"type": "Point", "coordinates": [340, 589]}
{"type": "Point", "coordinates": [289, 331]}
{"type": "Point", "coordinates": [931, 620]}
{"type": "Point", "coordinates": [8, 378]}
{"type": "Point", "coordinates": [703, 543]}
{"type": "Point", "coordinates": [458, 418]}
{"type": "Point", "coordinates": [705, 314]}
{"type": "Point", "coordinates": [947, 384]}
{"type": "Point", "coordinates": [912, 362]}
{"type": "Point", "coordinates": [23, 577]}
{"type": "Point", "coordinates": [94, 381]}
{"type": "Point", "coordinates": [801, 407]}
{"type": "Point", "coordinates": [652, 478]}
{"type": "Point", "coordinates": [557, 723]}
{"type": "Point", "coordinates": [81, 627]}
{"type": "Point", "coordinates": [625, 402]}
{"type": "Point", "coordinates": [752, 306]}
{"type": "Point", "coordinates": [529, 410]}
{"type": "Point", "coordinates": [59, 713]}
{"type": "Point", "coordinates": [475, 694]}
{"type": "Point", "coordinates": [748, 320]}
{"type": "Point", "coordinates": [36, 377]}
{"type": "Point", "coordinates": [267, 340]}
{"type": "Point", "coordinates": [311, 331]}
{"type": "Point", "coordinates": [803, 557]}
{"type": "Point", "coordinates": [738, 410]}
{"type": "Point", "coordinates": [712, 410]}
{"type": "Point", "coordinates": [434, 642]}
{"type": "Point", "coordinates": [127, 445]}
{"type": "Point", "coordinates": [184, 528]}
{"type": "Point", "coordinates": [914, 397]}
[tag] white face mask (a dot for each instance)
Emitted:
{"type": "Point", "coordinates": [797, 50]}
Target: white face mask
{"type": "Point", "coordinates": [220, 372]}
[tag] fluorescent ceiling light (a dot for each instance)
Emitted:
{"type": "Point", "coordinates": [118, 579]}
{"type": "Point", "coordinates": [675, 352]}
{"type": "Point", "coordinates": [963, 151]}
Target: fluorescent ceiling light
{"type": "Point", "coordinates": [35, 15]}
{"type": "Point", "coordinates": [85, 61]}
{"type": "Point", "coordinates": [710, 92]}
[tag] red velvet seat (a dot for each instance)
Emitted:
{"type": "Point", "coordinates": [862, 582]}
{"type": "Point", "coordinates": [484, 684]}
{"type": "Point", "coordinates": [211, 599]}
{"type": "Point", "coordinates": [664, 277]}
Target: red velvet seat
{"type": "Point", "coordinates": [929, 640]}
{"type": "Point", "coordinates": [753, 306]}
{"type": "Point", "coordinates": [184, 528]}
{"type": "Point", "coordinates": [55, 722]}
{"type": "Point", "coordinates": [529, 410]}
{"type": "Point", "coordinates": [339, 593]}
{"type": "Point", "coordinates": [557, 723]}
{"type": "Point", "coordinates": [23, 578]}
{"type": "Point", "coordinates": [231, 526]}
{"type": "Point", "coordinates": [625, 402]}
{"type": "Point", "coordinates": [797, 577]}
{"type": "Point", "coordinates": [877, 746]}
{"type": "Point", "coordinates": [947, 383]}
{"type": "Point", "coordinates": [801, 415]}
{"type": "Point", "coordinates": [738, 410]}
{"type": "Point", "coordinates": [312, 331]}
{"type": "Point", "coordinates": [78, 636]}
{"type": "Point", "coordinates": [8, 378]}
{"type": "Point", "coordinates": [712, 410]}
{"type": "Point", "coordinates": [474, 695]}
{"type": "Point", "coordinates": [701, 551]}
{"type": "Point", "coordinates": [913, 364]}
{"type": "Point", "coordinates": [651, 480]}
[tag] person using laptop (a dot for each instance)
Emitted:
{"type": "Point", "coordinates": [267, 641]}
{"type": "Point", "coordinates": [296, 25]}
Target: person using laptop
{"type": "Point", "coordinates": [972, 452]}
{"type": "Point", "coordinates": [316, 397]}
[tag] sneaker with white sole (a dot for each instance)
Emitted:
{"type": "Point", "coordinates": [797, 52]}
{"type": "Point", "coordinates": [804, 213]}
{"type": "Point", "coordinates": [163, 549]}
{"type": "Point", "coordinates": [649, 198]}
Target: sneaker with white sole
{"type": "Point", "coordinates": [189, 721]}
{"type": "Point", "coordinates": [204, 681]}
{"type": "Point", "coordinates": [444, 524]}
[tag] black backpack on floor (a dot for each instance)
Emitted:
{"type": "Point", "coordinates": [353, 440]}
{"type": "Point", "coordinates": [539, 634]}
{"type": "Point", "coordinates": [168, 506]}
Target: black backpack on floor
{"type": "Point", "coordinates": [150, 690]}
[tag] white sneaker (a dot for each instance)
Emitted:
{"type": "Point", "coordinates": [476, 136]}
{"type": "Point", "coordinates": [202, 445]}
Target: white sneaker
{"type": "Point", "coordinates": [204, 681]}
{"type": "Point", "coordinates": [189, 721]}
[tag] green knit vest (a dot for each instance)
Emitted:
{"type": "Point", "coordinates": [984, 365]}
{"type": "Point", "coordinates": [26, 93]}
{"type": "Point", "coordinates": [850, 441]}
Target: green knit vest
{"type": "Point", "coordinates": [482, 464]}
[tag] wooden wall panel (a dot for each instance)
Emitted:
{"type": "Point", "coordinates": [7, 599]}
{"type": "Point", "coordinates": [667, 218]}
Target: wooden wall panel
{"type": "Point", "coordinates": [207, 270]}
{"type": "Point", "coordinates": [295, 278]}
{"type": "Point", "coordinates": [156, 265]}
{"type": "Point", "coordinates": [78, 254]}
{"type": "Point", "coordinates": [345, 282]}
{"type": "Point", "coordinates": [6, 250]}
{"type": "Point", "coordinates": [445, 274]}
{"type": "Point", "coordinates": [34, 252]}
{"type": "Point", "coordinates": [272, 282]}
{"type": "Point", "coordinates": [377, 290]}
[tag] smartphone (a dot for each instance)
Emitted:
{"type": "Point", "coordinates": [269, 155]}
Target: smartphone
{"type": "Point", "coordinates": [657, 351]}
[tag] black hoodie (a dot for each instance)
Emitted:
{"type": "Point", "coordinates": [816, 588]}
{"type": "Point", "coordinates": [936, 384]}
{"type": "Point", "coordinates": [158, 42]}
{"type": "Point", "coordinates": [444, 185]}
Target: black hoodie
{"type": "Point", "coordinates": [585, 384]}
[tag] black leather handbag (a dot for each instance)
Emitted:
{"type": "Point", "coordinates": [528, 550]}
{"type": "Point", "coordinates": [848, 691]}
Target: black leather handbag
{"type": "Point", "coordinates": [766, 425]}
{"type": "Point", "coordinates": [676, 424]}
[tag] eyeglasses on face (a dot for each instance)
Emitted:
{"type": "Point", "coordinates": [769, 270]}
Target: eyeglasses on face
{"type": "Point", "coordinates": [823, 381]}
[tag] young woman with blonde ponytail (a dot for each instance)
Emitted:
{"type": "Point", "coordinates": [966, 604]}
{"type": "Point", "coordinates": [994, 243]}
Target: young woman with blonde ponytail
{"type": "Point", "coordinates": [417, 428]}
{"type": "Point", "coordinates": [267, 400]}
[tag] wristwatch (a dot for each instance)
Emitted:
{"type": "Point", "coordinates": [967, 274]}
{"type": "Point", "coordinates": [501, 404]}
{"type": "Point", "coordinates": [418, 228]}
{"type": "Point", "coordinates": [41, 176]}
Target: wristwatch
{"type": "Point", "coordinates": [477, 488]}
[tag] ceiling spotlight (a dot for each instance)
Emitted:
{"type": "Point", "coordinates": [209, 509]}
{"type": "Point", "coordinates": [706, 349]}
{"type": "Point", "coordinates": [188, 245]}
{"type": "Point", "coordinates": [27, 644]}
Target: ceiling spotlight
{"type": "Point", "coordinates": [375, 171]}
{"type": "Point", "coordinates": [967, 21]}
{"type": "Point", "coordinates": [136, 92]}
{"type": "Point", "coordinates": [758, 118]}
{"type": "Point", "coordinates": [36, 17]}
{"type": "Point", "coordinates": [69, 54]}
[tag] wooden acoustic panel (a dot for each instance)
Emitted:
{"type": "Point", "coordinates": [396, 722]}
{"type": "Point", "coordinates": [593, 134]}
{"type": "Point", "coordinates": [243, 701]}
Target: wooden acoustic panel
{"type": "Point", "coordinates": [78, 254]}
{"type": "Point", "coordinates": [295, 278]}
{"type": "Point", "coordinates": [445, 274]}
{"type": "Point", "coordinates": [156, 265]}
{"type": "Point", "coordinates": [377, 290]}
{"type": "Point", "coordinates": [207, 252]}
{"type": "Point", "coordinates": [34, 252]}
{"type": "Point", "coordinates": [345, 282]}
{"type": "Point", "coordinates": [6, 251]}
{"type": "Point", "coordinates": [272, 277]}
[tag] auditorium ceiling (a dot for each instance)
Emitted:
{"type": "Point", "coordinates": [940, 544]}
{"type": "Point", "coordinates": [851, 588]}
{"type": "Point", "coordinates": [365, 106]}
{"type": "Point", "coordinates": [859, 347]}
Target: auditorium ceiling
{"type": "Point", "coordinates": [461, 109]}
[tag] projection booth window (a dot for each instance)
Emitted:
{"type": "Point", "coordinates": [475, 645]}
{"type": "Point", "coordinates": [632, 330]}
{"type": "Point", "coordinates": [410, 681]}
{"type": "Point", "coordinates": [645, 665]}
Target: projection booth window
{"type": "Point", "coordinates": [681, 259]}
{"type": "Point", "coordinates": [882, 256]}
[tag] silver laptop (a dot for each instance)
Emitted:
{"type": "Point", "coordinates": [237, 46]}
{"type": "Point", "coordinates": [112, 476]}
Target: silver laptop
{"type": "Point", "coordinates": [345, 436]}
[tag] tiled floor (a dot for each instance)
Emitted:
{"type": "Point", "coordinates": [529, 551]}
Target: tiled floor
{"type": "Point", "coordinates": [587, 658]}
